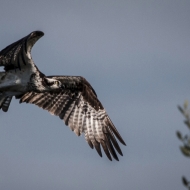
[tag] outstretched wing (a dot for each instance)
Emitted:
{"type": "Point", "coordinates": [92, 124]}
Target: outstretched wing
{"type": "Point", "coordinates": [78, 105]}
{"type": "Point", "coordinates": [19, 53]}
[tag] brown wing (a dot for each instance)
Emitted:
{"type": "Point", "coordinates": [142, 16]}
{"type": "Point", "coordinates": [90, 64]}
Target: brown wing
{"type": "Point", "coordinates": [83, 113]}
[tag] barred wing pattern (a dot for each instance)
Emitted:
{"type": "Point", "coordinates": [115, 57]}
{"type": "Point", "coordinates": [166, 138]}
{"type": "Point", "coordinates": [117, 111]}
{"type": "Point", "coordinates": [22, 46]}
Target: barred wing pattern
{"type": "Point", "coordinates": [81, 117]}
{"type": "Point", "coordinates": [5, 102]}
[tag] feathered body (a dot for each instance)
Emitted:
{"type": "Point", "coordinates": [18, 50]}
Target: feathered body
{"type": "Point", "coordinates": [71, 98]}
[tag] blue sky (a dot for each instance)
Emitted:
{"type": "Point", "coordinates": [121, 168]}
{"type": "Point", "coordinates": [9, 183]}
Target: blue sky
{"type": "Point", "coordinates": [136, 56]}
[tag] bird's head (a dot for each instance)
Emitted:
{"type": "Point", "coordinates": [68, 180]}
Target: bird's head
{"type": "Point", "coordinates": [51, 84]}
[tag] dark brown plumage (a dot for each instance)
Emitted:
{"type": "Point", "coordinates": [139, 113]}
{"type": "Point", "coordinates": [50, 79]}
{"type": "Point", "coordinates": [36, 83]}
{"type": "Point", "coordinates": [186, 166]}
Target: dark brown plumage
{"type": "Point", "coordinates": [81, 110]}
{"type": "Point", "coordinates": [71, 98]}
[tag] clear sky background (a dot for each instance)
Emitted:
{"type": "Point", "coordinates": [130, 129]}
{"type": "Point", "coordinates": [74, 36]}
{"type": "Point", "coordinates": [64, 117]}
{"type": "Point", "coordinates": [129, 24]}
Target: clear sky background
{"type": "Point", "coordinates": [136, 55]}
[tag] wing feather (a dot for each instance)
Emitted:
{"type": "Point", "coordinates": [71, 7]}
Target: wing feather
{"type": "Point", "coordinates": [18, 53]}
{"type": "Point", "coordinates": [75, 119]}
{"type": "Point", "coordinates": [80, 120]}
{"type": "Point", "coordinates": [36, 98]}
{"type": "Point", "coordinates": [30, 97]}
{"type": "Point", "coordinates": [62, 102]}
{"type": "Point", "coordinates": [110, 147]}
{"type": "Point", "coordinates": [25, 96]}
{"type": "Point", "coordinates": [48, 101]}
{"type": "Point", "coordinates": [114, 141]}
{"type": "Point", "coordinates": [54, 103]}
{"type": "Point", "coordinates": [83, 113]}
{"type": "Point", "coordinates": [104, 146]}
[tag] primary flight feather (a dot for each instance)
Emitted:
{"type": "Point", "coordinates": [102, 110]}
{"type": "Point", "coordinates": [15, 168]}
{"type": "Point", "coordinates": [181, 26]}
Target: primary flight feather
{"type": "Point", "coordinates": [71, 98]}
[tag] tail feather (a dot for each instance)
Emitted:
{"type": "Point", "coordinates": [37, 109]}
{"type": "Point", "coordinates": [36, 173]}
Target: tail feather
{"type": "Point", "coordinates": [5, 102]}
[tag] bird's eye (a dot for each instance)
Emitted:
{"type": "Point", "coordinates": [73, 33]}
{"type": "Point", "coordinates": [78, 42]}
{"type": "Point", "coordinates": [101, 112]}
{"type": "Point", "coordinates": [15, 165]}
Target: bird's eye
{"type": "Point", "coordinates": [56, 83]}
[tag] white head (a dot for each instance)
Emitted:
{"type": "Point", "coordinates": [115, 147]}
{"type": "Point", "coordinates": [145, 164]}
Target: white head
{"type": "Point", "coordinates": [51, 84]}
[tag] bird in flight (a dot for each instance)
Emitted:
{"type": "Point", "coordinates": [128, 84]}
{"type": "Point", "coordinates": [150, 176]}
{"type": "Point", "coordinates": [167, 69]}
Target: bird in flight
{"type": "Point", "coordinates": [71, 98]}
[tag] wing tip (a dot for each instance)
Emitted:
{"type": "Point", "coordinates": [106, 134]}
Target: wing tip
{"type": "Point", "coordinates": [124, 143]}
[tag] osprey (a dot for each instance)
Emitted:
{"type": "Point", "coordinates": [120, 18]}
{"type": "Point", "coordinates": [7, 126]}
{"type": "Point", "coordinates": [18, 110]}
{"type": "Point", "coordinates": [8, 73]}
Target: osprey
{"type": "Point", "coordinates": [71, 98]}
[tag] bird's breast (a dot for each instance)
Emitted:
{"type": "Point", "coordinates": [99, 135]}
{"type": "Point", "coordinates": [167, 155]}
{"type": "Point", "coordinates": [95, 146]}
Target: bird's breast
{"type": "Point", "coordinates": [13, 81]}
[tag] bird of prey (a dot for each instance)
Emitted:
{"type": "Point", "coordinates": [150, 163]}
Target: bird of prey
{"type": "Point", "coordinates": [71, 98]}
